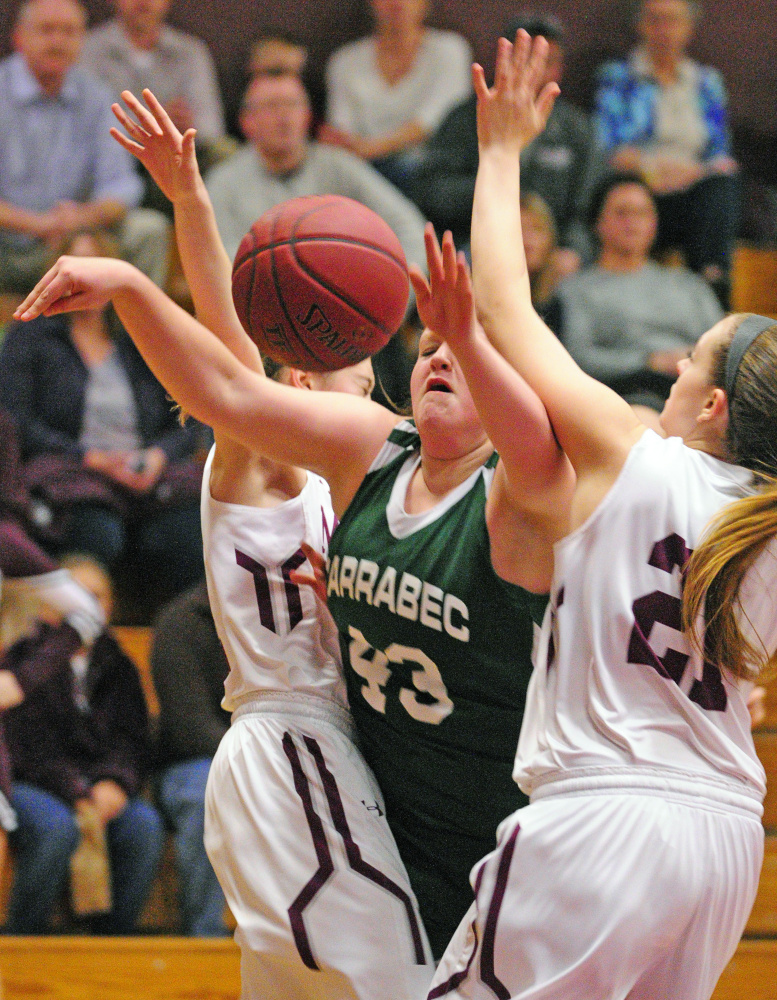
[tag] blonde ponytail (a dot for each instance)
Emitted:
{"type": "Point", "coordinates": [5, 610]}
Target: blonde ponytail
{"type": "Point", "coordinates": [714, 575]}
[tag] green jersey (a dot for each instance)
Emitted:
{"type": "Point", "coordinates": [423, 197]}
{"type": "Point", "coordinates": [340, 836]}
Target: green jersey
{"type": "Point", "coordinates": [437, 655]}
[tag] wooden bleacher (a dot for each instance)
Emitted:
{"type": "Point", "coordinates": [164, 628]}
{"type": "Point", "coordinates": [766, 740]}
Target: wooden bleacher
{"type": "Point", "coordinates": [754, 280]}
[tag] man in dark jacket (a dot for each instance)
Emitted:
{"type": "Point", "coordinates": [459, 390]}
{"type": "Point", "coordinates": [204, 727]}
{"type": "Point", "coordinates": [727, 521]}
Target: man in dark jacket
{"type": "Point", "coordinates": [563, 164]}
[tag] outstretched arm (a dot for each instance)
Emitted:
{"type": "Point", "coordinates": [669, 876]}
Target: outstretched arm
{"type": "Point", "coordinates": [594, 426]}
{"type": "Point", "coordinates": [334, 434]}
{"type": "Point", "coordinates": [170, 158]}
{"type": "Point", "coordinates": [529, 503]}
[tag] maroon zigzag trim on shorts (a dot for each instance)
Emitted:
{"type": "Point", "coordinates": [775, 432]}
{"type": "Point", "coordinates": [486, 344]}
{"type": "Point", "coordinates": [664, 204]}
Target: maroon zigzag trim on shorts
{"type": "Point", "coordinates": [488, 975]}
{"type": "Point", "coordinates": [458, 977]}
{"type": "Point", "coordinates": [325, 863]}
{"type": "Point", "coordinates": [354, 855]}
{"type": "Point", "coordinates": [487, 972]}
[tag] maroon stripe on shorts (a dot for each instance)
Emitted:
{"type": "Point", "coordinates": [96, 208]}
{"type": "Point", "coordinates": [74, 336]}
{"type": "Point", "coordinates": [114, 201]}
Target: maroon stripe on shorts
{"type": "Point", "coordinates": [354, 855]}
{"type": "Point", "coordinates": [487, 972]}
{"type": "Point", "coordinates": [458, 977]}
{"type": "Point", "coordinates": [325, 864]}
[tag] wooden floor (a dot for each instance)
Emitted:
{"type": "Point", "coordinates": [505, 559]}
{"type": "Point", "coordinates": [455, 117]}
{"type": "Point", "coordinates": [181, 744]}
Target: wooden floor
{"type": "Point", "coordinates": [751, 974]}
{"type": "Point", "coordinates": [159, 968]}
{"type": "Point", "coordinates": [142, 968]}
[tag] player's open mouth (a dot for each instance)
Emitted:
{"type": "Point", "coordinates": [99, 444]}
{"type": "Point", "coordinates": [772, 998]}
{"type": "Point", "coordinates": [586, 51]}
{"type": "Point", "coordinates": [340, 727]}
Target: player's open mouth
{"type": "Point", "coordinates": [437, 385]}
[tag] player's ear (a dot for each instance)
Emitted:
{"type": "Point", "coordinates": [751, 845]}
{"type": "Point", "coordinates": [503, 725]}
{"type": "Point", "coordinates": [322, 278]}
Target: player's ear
{"type": "Point", "coordinates": [715, 410]}
{"type": "Point", "coordinates": [300, 379]}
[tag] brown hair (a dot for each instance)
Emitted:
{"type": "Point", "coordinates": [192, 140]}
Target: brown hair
{"type": "Point", "coordinates": [743, 529]}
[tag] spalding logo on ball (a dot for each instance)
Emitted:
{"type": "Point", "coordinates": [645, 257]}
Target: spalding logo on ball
{"type": "Point", "coordinates": [320, 283]}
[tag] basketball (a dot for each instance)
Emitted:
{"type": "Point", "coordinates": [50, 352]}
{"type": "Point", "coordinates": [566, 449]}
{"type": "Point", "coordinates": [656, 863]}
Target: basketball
{"type": "Point", "coordinates": [320, 283]}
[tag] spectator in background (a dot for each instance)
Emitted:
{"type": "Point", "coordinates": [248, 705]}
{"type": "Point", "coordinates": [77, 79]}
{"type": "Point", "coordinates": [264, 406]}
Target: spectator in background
{"type": "Point", "coordinates": [388, 92]}
{"type": "Point", "coordinates": [279, 162]}
{"type": "Point", "coordinates": [189, 669]}
{"type": "Point", "coordinates": [101, 443]}
{"type": "Point", "coordinates": [137, 49]}
{"type": "Point", "coordinates": [279, 54]}
{"type": "Point", "coordinates": [60, 171]}
{"type": "Point", "coordinates": [540, 242]}
{"type": "Point", "coordinates": [662, 114]}
{"type": "Point", "coordinates": [24, 565]}
{"type": "Point", "coordinates": [276, 55]}
{"type": "Point", "coordinates": [563, 164]}
{"type": "Point", "coordinates": [79, 742]}
{"type": "Point", "coordinates": [627, 320]}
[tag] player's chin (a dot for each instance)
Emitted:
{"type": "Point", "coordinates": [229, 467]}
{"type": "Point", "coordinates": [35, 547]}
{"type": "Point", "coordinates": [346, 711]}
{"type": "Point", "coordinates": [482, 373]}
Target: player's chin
{"type": "Point", "coordinates": [440, 409]}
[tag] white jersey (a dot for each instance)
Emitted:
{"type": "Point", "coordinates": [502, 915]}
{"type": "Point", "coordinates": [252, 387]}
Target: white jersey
{"type": "Point", "coordinates": [277, 636]}
{"type": "Point", "coordinates": [618, 695]}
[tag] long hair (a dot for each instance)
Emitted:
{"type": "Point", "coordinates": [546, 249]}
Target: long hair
{"type": "Point", "coordinates": [742, 530]}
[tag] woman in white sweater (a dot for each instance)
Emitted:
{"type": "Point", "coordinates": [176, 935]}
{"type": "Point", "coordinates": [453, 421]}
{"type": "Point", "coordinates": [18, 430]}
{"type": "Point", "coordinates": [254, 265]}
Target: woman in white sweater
{"type": "Point", "coordinates": [387, 92]}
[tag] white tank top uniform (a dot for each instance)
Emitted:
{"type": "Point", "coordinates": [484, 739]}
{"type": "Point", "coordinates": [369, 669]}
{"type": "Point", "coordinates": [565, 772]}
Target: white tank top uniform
{"type": "Point", "coordinates": [634, 868]}
{"type": "Point", "coordinates": [295, 825]}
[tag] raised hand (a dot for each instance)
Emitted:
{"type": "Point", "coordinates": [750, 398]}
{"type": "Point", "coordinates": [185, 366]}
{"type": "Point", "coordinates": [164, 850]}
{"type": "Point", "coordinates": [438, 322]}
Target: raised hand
{"type": "Point", "coordinates": [75, 283]}
{"type": "Point", "coordinates": [154, 140]}
{"type": "Point", "coordinates": [515, 110]}
{"type": "Point", "coordinates": [445, 302]}
{"type": "Point", "coordinates": [317, 578]}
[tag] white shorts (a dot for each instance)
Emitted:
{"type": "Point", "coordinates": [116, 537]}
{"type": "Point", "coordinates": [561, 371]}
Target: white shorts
{"type": "Point", "coordinates": [296, 831]}
{"type": "Point", "coordinates": [607, 896]}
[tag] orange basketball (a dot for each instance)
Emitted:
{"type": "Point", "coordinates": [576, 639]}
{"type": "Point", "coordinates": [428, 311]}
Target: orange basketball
{"type": "Point", "coordinates": [320, 282]}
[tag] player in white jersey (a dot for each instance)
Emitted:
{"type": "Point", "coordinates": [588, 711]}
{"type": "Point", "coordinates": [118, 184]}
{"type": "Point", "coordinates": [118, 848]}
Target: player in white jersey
{"type": "Point", "coordinates": [633, 870]}
{"type": "Point", "coordinates": [294, 821]}
{"type": "Point", "coordinates": [295, 825]}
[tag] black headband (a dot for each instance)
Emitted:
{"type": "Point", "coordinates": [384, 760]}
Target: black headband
{"type": "Point", "coordinates": [747, 331]}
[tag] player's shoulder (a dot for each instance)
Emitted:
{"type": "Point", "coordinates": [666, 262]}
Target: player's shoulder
{"type": "Point", "coordinates": [657, 452]}
{"type": "Point", "coordinates": [402, 439]}
{"type": "Point", "coordinates": [317, 489]}
{"type": "Point", "coordinates": [669, 466]}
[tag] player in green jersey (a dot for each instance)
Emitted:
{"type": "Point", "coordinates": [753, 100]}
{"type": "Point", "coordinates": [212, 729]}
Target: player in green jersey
{"type": "Point", "coordinates": [512, 513]}
{"type": "Point", "coordinates": [437, 650]}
